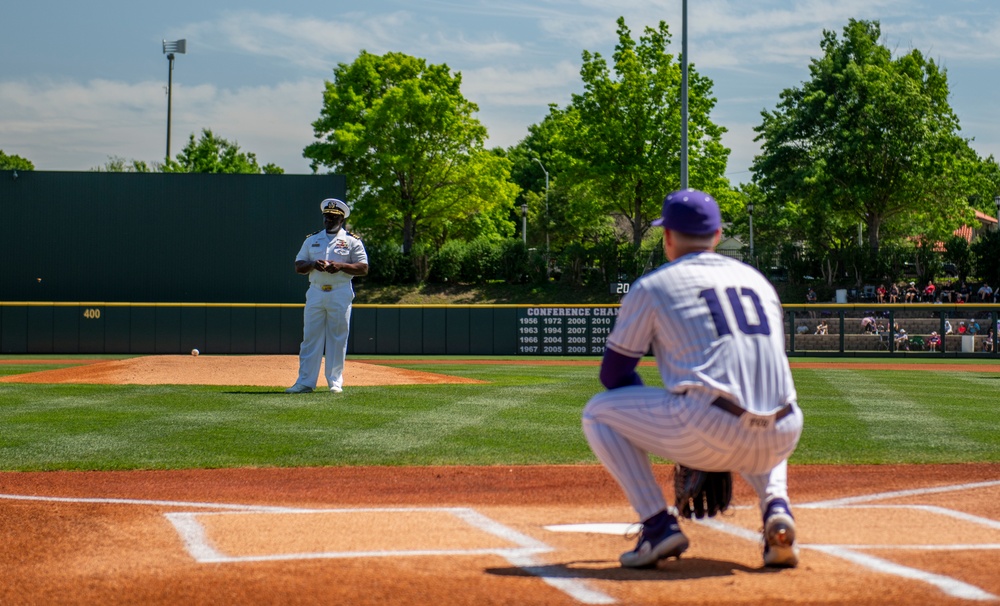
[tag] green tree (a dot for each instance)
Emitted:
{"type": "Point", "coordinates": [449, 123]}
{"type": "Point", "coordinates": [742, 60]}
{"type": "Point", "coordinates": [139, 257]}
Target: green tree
{"type": "Point", "coordinates": [571, 211]}
{"type": "Point", "coordinates": [414, 150]}
{"type": "Point", "coordinates": [213, 154]}
{"type": "Point", "coordinates": [118, 164]}
{"type": "Point", "coordinates": [985, 252]}
{"type": "Point", "coordinates": [868, 139]}
{"type": "Point", "coordinates": [985, 185]}
{"type": "Point", "coordinates": [958, 251]}
{"type": "Point", "coordinates": [14, 162]}
{"type": "Point", "coordinates": [627, 138]}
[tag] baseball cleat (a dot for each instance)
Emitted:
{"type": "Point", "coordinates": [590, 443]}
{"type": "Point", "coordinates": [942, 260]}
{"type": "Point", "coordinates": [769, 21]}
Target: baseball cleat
{"type": "Point", "coordinates": [336, 389]}
{"type": "Point", "coordinates": [780, 549]}
{"type": "Point", "coordinates": [665, 541]}
{"type": "Point", "coordinates": [299, 389]}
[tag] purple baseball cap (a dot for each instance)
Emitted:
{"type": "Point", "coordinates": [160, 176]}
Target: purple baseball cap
{"type": "Point", "coordinates": [690, 211]}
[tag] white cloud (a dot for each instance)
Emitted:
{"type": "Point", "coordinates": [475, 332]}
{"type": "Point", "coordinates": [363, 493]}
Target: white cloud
{"type": "Point", "coordinates": [500, 86]}
{"type": "Point", "coordinates": [315, 44]}
{"type": "Point", "coordinates": [515, 58]}
{"type": "Point", "coordinates": [64, 125]}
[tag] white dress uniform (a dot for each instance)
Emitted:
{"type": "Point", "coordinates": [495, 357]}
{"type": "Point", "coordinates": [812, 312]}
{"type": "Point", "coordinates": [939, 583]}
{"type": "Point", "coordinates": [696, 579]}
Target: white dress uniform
{"type": "Point", "coordinates": [327, 313]}
{"type": "Point", "coordinates": [715, 326]}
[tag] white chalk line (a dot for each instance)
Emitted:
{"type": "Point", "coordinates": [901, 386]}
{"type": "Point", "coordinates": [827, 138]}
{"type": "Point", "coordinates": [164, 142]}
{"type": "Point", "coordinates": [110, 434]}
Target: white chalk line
{"type": "Point", "coordinates": [201, 549]}
{"type": "Point", "coordinates": [948, 585]}
{"type": "Point", "coordinates": [106, 501]}
{"type": "Point", "coordinates": [198, 546]}
{"type": "Point", "coordinates": [881, 496]}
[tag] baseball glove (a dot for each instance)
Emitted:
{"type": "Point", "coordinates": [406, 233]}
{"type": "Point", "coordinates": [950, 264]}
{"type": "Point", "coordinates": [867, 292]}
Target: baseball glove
{"type": "Point", "coordinates": [701, 493]}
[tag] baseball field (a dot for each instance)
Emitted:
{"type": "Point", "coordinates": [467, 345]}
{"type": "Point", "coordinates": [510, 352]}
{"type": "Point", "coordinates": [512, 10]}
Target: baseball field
{"type": "Point", "coordinates": [195, 480]}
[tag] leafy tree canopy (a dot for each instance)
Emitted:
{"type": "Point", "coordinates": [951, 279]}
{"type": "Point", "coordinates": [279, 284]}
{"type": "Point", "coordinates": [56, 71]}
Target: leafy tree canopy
{"type": "Point", "coordinates": [623, 132]}
{"type": "Point", "coordinates": [868, 139]}
{"type": "Point", "coordinates": [411, 143]}
{"type": "Point", "coordinates": [117, 164]}
{"type": "Point", "coordinates": [14, 162]}
{"type": "Point", "coordinates": [570, 211]}
{"type": "Point", "coordinates": [213, 154]}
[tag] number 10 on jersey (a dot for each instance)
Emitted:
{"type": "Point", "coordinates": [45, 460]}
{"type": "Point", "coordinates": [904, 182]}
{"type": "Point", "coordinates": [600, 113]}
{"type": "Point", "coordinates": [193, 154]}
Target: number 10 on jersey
{"type": "Point", "coordinates": [740, 301]}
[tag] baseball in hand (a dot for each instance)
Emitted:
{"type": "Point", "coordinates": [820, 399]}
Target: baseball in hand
{"type": "Point", "coordinates": [195, 352]}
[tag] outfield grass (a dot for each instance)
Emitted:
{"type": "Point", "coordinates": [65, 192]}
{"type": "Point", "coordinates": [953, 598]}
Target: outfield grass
{"type": "Point", "coordinates": [526, 415]}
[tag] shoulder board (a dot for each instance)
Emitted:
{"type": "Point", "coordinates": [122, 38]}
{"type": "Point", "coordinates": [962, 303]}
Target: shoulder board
{"type": "Point", "coordinates": [353, 235]}
{"type": "Point", "coordinates": [314, 233]}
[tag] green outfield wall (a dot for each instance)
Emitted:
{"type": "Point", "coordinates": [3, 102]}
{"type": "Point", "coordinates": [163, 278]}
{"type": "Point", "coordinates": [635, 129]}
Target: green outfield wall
{"type": "Point", "coordinates": [154, 237]}
{"type": "Point", "coordinates": [34, 327]}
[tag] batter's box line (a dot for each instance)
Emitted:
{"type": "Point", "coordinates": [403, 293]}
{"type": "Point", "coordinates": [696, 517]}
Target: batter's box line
{"type": "Point", "coordinates": [951, 586]}
{"type": "Point", "coordinates": [852, 553]}
{"type": "Point", "coordinates": [881, 496]}
{"type": "Point", "coordinates": [196, 540]}
{"type": "Point", "coordinates": [199, 546]}
{"type": "Point", "coordinates": [523, 557]}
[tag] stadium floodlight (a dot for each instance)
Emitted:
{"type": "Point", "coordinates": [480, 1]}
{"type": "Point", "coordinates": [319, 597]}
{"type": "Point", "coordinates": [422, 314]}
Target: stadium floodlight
{"type": "Point", "coordinates": [170, 47]}
{"type": "Point", "coordinates": [684, 94]}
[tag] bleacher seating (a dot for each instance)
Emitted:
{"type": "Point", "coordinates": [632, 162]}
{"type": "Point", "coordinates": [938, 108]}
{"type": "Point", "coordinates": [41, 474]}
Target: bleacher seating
{"type": "Point", "coordinates": [869, 342]}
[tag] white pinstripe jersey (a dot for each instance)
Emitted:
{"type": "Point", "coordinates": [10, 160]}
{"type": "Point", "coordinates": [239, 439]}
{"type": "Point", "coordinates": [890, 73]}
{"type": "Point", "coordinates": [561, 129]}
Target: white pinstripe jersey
{"type": "Point", "coordinates": [713, 323]}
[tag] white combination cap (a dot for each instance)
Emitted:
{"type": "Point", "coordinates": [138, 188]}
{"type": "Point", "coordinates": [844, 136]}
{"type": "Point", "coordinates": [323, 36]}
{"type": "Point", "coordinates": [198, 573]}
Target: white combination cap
{"type": "Point", "coordinates": [335, 206]}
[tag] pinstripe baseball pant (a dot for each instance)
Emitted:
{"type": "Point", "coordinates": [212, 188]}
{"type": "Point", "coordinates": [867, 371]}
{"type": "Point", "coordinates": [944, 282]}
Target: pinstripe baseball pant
{"type": "Point", "coordinates": [624, 426]}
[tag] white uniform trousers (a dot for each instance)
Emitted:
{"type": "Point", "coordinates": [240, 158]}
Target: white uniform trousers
{"type": "Point", "coordinates": [624, 426]}
{"type": "Point", "coordinates": [326, 322]}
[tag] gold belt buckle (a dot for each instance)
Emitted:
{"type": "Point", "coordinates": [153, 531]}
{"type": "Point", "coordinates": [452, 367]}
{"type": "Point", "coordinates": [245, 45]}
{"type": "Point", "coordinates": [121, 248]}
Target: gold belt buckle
{"type": "Point", "coordinates": [326, 287]}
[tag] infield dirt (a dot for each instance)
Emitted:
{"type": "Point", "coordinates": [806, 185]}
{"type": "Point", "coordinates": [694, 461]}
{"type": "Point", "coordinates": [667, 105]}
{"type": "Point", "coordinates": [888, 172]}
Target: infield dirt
{"type": "Point", "coordinates": [432, 536]}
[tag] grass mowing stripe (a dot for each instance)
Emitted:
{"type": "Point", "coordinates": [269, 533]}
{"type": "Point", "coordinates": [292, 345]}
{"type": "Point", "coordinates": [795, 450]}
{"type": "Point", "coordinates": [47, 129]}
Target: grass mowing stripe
{"type": "Point", "coordinates": [895, 416]}
{"type": "Point", "coordinates": [524, 415]}
{"type": "Point", "coordinates": [901, 404]}
{"type": "Point", "coordinates": [420, 428]}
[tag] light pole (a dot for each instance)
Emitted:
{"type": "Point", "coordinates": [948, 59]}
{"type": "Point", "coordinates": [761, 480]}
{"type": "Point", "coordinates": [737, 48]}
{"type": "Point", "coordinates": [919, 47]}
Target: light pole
{"type": "Point", "coordinates": [996, 200]}
{"type": "Point", "coordinates": [169, 48]}
{"type": "Point", "coordinates": [524, 224]}
{"type": "Point", "coordinates": [546, 204]}
{"type": "Point", "coordinates": [684, 98]}
{"type": "Point", "coordinates": [750, 214]}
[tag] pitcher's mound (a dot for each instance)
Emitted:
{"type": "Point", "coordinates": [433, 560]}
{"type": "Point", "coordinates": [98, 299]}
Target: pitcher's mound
{"type": "Point", "coordinates": [263, 371]}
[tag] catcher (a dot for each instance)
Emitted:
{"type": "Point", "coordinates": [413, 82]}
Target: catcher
{"type": "Point", "coordinates": [728, 403]}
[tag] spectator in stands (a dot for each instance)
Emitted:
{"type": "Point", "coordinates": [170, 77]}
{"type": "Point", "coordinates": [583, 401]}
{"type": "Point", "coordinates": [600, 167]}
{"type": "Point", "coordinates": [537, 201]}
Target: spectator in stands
{"type": "Point", "coordinates": [963, 293]}
{"type": "Point", "coordinates": [810, 295]}
{"type": "Point", "coordinates": [902, 340]}
{"type": "Point", "coordinates": [801, 329]}
{"type": "Point", "coordinates": [933, 341]}
{"type": "Point", "coordinates": [911, 294]}
{"type": "Point", "coordinates": [985, 293]}
{"type": "Point", "coordinates": [988, 341]}
{"type": "Point", "coordinates": [947, 327]}
{"type": "Point", "coordinates": [823, 328]}
{"type": "Point", "coordinates": [947, 292]}
{"type": "Point", "coordinates": [962, 328]}
{"type": "Point", "coordinates": [928, 294]}
{"type": "Point", "coordinates": [972, 328]}
{"type": "Point", "coordinates": [894, 293]}
{"type": "Point", "coordinates": [879, 327]}
{"type": "Point", "coordinates": [880, 293]}
{"type": "Point", "coordinates": [868, 325]}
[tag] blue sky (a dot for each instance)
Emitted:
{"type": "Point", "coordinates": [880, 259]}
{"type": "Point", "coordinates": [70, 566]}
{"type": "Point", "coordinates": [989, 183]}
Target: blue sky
{"type": "Point", "coordinates": [83, 81]}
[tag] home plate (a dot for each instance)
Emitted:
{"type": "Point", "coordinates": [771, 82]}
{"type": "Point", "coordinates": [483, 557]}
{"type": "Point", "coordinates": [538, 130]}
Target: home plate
{"type": "Point", "coordinates": [605, 528]}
